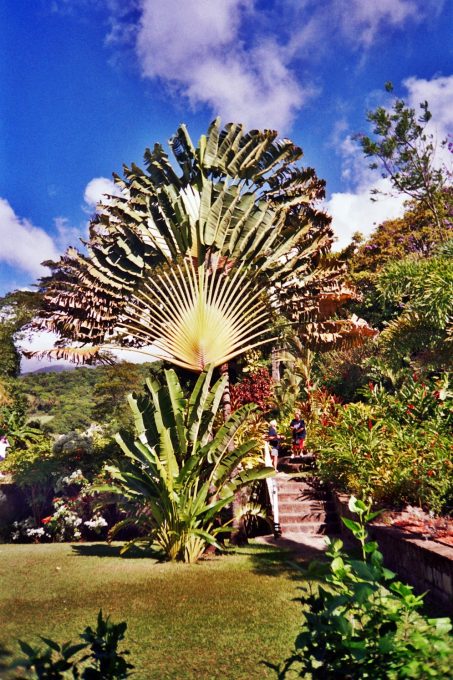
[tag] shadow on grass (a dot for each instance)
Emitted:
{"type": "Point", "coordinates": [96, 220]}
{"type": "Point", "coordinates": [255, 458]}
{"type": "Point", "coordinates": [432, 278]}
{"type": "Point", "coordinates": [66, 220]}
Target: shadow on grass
{"type": "Point", "coordinates": [289, 558]}
{"type": "Point", "coordinates": [108, 550]}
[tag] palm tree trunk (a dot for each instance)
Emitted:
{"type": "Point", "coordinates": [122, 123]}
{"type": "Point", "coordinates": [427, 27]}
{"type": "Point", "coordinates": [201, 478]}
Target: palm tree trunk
{"type": "Point", "coordinates": [275, 366]}
{"type": "Point", "coordinates": [226, 397]}
{"type": "Point", "coordinates": [238, 535]}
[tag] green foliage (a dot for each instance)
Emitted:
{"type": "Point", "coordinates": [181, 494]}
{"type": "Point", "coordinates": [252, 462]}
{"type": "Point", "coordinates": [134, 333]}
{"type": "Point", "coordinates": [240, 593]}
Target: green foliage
{"type": "Point", "coordinates": [361, 623]}
{"type": "Point", "coordinates": [43, 468]}
{"type": "Point", "coordinates": [111, 389]}
{"type": "Point", "coordinates": [179, 474]}
{"type": "Point", "coordinates": [393, 240]}
{"type": "Point", "coordinates": [32, 470]}
{"type": "Point", "coordinates": [396, 448]}
{"type": "Point", "coordinates": [102, 659]}
{"type": "Point", "coordinates": [65, 401]}
{"type": "Point", "coordinates": [422, 291]}
{"type": "Point", "coordinates": [343, 372]}
{"type": "Point", "coordinates": [14, 427]}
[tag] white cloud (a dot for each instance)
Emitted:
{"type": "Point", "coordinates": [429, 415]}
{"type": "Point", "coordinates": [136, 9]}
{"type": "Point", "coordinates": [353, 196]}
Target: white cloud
{"type": "Point", "coordinates": [25, 246]}
{"type": "Point", "coordinates": [67, 234]}
{"type": "Point", "coordinates": [362, 20]}
{"type": "Point", "coordinates": [197, 47]}
{"type": "Point", "coordinates": [354, 211]}
{"type": "Point", "coordinates": [97, 189]}
{"type": "Point", "coordinates": [438, 92]}
{"type": "Point", "coordinates": [22, 244]}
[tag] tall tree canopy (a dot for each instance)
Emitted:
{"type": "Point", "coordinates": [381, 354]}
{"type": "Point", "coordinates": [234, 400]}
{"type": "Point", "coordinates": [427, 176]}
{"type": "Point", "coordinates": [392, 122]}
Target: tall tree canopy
{"type": "Point", "coordinates": [405, 152]}
{"type": "Point", "coordinates": [195, 260]}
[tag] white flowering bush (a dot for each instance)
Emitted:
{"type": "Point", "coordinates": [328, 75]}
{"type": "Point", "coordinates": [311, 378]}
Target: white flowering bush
{"type": "Point", "coordinates": [96, 524]}
{"type": "Point", "coordinates": [26, 531]}
{"type": "Point", "coordinates": [72, 517]}
{"type": "Point", "coordinates": [76, 477]}
{"type": "Point", "coordinates": [64, 524]}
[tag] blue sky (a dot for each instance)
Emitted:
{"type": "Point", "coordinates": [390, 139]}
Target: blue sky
{"type": "Point", "coordinates": [86, 85]}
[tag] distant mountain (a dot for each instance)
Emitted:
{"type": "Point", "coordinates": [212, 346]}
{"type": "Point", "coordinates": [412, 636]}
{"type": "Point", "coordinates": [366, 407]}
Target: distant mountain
{"type": "Point", "coordinates": [55, 369]}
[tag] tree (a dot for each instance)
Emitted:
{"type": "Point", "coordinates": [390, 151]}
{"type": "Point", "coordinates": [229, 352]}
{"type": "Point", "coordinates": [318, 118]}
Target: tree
{"type": "Point", "coordinates": [406, 153]}
{"type": "Point", "coordinates": [196, 263]}
{"type": "Point", "coordinates": [393, 240]}
{"type": "Point", "coordinates": [110, 393]}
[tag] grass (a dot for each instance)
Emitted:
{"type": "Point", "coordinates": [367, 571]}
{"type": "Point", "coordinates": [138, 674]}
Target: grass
{"type": "Point", "coordinates": [218, 619]}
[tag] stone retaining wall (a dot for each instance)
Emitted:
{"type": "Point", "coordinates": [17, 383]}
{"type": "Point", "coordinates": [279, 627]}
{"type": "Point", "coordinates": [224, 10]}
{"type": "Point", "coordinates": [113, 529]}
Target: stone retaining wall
{"type": "Point", "coordinates": [427, 565]}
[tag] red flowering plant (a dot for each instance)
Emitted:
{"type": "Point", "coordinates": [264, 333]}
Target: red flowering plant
{"type": "Point", "coordinates": [416, 401]}
{"type": "Point", "coordinates": [254, 388]}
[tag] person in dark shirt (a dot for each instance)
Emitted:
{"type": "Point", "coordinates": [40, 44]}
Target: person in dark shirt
{"type": "Point", "coordinates": [299, 434]}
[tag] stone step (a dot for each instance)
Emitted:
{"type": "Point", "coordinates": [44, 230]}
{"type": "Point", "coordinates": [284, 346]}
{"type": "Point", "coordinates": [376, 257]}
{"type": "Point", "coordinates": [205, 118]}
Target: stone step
{"type": "Point", "coordinates": [301, 483]}
{"type": "Point", "coordinates": [306, 516]}
{"type": "Point", "coordinates": [304, 528]}
{"type": "Point", "coordinates": [318, 541]}
{"type": "Point", "coordinates": [296, 489]}
{"type": "Point", "coordinates": [289, 503]}
{"type": "Point", "coordinates": [302, 500]}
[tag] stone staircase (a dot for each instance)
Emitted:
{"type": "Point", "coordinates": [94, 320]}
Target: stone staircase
{"type": "Point", "coordinates": [305, 508]}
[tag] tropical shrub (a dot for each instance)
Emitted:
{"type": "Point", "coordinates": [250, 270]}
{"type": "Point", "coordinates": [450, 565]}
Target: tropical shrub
{"type": "Point", "coordinates": [367, 454]}
{"type": "Point", "coordinates": [421, 290]}
{"type": "Point", "coordinates": [178, 474]}
{"type": "Point", "coordinates": [395, 448]}
{"type": "Point", "coordinates": [13, 425]}
{"type": "Point", "coordinates": [101, 660]}
{"type": "Point", "coordinates": [362, 623]}
{"type": "Point", "coordinates": [62, 471]}
{"type": "Point", "coordinates": [418, 400]}
{"type": "Point", "coordinates": [253, 388]}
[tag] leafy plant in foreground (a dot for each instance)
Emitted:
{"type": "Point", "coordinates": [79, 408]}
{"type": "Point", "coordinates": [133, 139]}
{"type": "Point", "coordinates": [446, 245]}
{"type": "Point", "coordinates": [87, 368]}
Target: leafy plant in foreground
{"type": "Point", "coordinates": [102, 662]}
{"type": "Point", "coordinates": [179, 474]}
{"type": "Point", "coordinates": [361, 623]}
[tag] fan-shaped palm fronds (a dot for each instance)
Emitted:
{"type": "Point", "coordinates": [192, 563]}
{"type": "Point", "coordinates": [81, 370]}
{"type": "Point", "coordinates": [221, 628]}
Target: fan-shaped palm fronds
{"type": "Point", "coordinates": [198, 316]}
{"type": "Point", "coordinates": [239, 207]}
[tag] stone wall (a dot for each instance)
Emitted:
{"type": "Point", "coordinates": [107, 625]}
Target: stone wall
{"type": "Point", "coordinates": [427, 565]}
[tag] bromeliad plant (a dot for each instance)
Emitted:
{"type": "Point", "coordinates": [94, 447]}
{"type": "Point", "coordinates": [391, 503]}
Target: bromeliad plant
{"type": "Point", "coordinates": [179, 474]}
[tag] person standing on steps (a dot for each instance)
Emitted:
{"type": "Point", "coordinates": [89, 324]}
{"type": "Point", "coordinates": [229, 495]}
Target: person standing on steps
{"type": "Point", "coordinates": [274, 441]}
{"type": "Point", "coordinates": [299, 434]}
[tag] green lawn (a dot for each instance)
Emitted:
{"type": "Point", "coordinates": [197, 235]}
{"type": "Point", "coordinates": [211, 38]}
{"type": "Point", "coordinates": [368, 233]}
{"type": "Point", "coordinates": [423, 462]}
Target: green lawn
{"type": "Point", "coordinates": [217, 619]}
